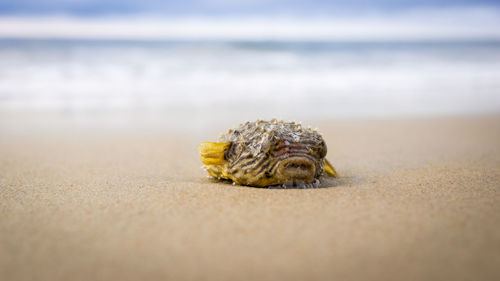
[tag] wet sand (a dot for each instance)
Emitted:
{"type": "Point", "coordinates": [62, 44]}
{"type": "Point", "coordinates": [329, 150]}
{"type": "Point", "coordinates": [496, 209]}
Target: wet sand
{"type": "Point", "coordinates": [419, 199]}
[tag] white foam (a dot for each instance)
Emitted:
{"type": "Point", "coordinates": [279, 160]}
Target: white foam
{"type": "Point", "coordinates": [208, 82]}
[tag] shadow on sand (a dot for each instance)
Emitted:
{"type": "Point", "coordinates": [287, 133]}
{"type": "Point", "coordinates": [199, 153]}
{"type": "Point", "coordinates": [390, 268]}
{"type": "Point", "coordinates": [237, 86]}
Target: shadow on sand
{"type": "Point", "coordinates": [324, 182]}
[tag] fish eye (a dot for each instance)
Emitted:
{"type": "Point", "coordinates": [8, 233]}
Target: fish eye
{"type": "Point", "coordinates": [322, 150]}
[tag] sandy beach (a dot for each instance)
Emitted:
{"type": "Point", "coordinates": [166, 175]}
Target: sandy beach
{"type": "Point", "coordinates": [419, 199]}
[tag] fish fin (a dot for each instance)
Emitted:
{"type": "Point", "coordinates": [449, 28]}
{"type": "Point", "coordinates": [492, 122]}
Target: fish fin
{"type": "Point", "coordinates": [329, 170]}
{"type": "Point", "coordinates": [212, 153]}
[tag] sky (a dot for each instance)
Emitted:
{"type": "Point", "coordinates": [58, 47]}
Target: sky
{"type": "Point", "coordinates": [252, 19]}
{"type": "Point", "coordinates": [222, 7]}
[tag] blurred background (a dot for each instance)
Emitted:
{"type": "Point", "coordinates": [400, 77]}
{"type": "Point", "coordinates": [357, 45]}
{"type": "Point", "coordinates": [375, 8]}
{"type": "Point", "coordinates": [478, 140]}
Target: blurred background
{"type": "Point", "coordinates": [187, 65]}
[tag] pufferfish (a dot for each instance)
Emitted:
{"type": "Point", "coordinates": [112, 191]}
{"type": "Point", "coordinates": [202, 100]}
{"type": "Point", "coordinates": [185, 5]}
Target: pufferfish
{"type": "Point", "coordinates": [267, 154]}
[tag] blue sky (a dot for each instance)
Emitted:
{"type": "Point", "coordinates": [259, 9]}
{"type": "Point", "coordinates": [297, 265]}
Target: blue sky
{"type": "Point", "coordinates": [251, 19]}
{"type": "Point", "coordinates": [222, 7]}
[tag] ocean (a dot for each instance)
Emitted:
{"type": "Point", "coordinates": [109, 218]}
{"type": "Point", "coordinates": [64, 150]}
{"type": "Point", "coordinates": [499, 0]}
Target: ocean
{"type": "Point", "coordinates": [196, 83]}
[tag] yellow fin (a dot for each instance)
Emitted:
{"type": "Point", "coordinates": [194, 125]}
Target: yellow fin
{"type": "Point", "coordinates": [329, 170]}
{"type": "Point", "coordinates": [212, 153]}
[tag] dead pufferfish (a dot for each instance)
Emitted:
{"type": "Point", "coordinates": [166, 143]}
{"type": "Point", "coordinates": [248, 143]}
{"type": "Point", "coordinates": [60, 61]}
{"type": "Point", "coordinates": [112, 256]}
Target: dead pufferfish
{"type": "Point", "coordinates": [268, 153]}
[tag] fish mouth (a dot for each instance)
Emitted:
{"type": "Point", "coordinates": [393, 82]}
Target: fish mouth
{"type": "Point", "coordinates": [297, 170]}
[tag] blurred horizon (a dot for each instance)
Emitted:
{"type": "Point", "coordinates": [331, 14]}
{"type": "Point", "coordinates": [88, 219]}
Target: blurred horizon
{"type": "Point", "coordinates": [153, 63]}
{"type": "Point", "coordinates": [317, 20]}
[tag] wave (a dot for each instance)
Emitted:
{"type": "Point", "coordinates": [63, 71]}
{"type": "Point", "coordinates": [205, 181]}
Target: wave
{"type": "Point", "coordinates": [289, 79]}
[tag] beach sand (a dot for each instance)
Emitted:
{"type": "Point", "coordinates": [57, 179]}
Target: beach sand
{"type": "Point", "coordinates": [419, 199]}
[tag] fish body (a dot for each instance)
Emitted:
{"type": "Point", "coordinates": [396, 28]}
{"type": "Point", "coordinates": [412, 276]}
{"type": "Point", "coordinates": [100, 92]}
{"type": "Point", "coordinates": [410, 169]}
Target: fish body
{"type": "Point", "coordinates": [268, 153]}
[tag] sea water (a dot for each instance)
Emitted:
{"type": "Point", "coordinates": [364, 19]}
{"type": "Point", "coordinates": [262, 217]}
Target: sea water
{"type": "Point", "coordinates": [196, 83]}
